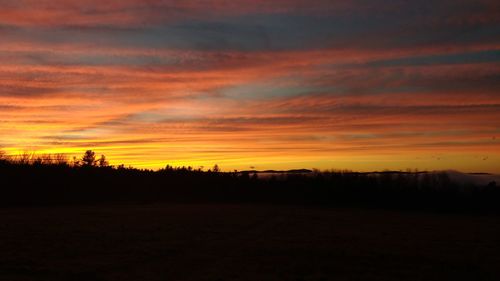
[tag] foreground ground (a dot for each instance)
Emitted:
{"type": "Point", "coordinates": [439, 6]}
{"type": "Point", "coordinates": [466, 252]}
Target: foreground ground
{"type": "Point", "coordinates": [244, 242]}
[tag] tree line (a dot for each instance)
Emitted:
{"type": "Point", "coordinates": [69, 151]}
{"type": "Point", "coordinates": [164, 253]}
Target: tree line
{"type": "Point", "coordinates": [88, 159]}
{"type": "Point", "coordinates": [54, 179]}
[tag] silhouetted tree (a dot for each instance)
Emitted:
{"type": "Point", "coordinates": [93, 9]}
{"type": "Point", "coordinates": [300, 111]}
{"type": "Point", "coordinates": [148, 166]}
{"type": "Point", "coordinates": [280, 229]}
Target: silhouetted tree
{"type": "Point", "coordinates": [216, 169]}
{"type": "Point", "coordinates": [88, 159]}
{"type": "Point", "coordinates": [103, 162]}
{"type": "Point", "coordinates": [25, 158]}
{"type": "Point", "coordinates": [76, 162]}
{"type": "Point", "coordinates": [39, 160]}
{"type": "Point", "coordinates": [60, 159]}
{"type": "Point", "coordinates": [3, 157]}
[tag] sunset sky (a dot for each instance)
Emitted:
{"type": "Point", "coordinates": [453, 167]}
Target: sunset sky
{"type": "Point", "coordinates": [277, 84]}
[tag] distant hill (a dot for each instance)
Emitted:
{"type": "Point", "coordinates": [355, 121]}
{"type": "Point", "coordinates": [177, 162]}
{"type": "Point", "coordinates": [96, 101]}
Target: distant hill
{"type": "Point", "coordinates": [295, 171]}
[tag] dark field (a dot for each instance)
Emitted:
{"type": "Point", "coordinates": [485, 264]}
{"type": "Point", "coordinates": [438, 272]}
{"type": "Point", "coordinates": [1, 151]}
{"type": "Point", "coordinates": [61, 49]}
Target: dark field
{"type": "Point", "coordinates": [244, 242]}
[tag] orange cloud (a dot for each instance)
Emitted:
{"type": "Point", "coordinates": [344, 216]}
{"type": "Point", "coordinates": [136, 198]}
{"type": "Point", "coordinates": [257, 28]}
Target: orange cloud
{"type": "Point", "coordinates": [338, 101]}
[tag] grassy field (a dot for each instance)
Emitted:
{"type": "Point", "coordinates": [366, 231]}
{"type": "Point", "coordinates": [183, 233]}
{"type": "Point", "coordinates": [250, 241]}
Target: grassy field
{"type": "Point", "coordinates": [244, 242]}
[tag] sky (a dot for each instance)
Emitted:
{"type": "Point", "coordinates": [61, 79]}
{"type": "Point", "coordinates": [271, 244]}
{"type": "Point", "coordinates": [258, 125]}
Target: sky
{"type": "Point", "coordinates": [278, 84]}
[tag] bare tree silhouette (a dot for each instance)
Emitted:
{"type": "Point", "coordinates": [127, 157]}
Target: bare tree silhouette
{"type": "Point", "coordinates": [3, 157]}
{"type": "Point", "coordinates": [60, 159]}
{"type": "Point", "coordinates": [25, 158]}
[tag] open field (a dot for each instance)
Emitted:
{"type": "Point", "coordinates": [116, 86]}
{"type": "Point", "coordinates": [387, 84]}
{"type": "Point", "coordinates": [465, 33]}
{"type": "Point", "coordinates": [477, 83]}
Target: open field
{"type": "Point", "coordinates": [244, 242]}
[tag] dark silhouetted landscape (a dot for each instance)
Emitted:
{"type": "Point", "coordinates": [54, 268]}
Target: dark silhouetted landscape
{"type": "Point", "coordinates": [86, 220]}
{"type": "Point", "coordinates": [249, 140]}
